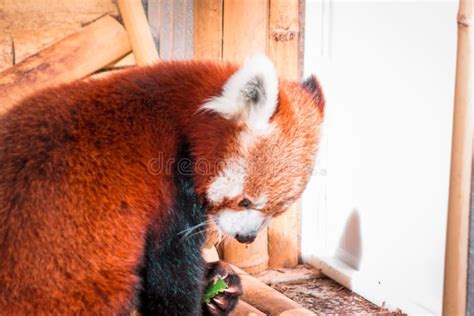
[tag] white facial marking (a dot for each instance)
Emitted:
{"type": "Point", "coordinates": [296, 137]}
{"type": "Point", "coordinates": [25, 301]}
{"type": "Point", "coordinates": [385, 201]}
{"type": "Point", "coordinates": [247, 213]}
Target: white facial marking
{"type": "Point", "coordinates": [249, 137]}
{"type": "Point", "coordinates": [229, 183]}
{"type": "Point", "coordinates": [244, 223]}
{"type": "Point", "coordinates": [249, 95]}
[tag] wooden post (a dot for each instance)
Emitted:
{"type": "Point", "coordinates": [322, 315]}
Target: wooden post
{"type": "Point", "coordinates": [283, 49]}
{"type": "Point", "coordinates": [138, 31]}
{"type": "Point", "coordinates": [283, 249]}
{"type": "Point", "coordinates": [456, 262]}
{"type": "Point", "coordinates": [74, 57]}
{"type": "Point", "coordinates": [253, 258]}
{"type": "Point", "coordinates": [245, 33]}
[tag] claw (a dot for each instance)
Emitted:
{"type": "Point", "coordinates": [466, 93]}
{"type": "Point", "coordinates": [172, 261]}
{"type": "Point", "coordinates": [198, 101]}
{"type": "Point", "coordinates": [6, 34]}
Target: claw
{"type": "Point", "coordinates": [231, 290]}
{"type": "Point", "coordinates": [221, 302]}
{"type": "Point", "coordinates": [212, 308]}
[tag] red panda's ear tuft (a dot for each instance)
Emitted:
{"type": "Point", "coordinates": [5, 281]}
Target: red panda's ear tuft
{"type": "Point", "coordinates": [312, 85]}
{"type": "Point", "coordinates": [250, 95]}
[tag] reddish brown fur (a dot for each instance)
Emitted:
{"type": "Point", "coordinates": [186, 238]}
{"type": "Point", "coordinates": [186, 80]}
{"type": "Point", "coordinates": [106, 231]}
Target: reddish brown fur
{"type": "Point", "coordinates": [76, 192]}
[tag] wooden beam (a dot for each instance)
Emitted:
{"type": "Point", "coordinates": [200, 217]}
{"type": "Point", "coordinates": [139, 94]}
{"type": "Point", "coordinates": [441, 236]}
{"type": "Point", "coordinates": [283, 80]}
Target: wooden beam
{"type": "Point", "coordinates": [127, 61]}
{"type": "Point", "coordinates": [37, 24]}
{"type": "Point", "coordinates": [139, 32]}
{"type": "Point", "coordinates": [283, 49]}
{"type": "Point", "coordinates": [268, 300]}
{"type": "Point", "coordinates": [207, 35]}
{"type": "Point", "coordinates": [245, 309]}
{"type": "Point", "coordinates": [74, 57]}
{"type": "Point", "coordinates": [245, 33]}
{"type": "Point", "coordinates": [457, 240]}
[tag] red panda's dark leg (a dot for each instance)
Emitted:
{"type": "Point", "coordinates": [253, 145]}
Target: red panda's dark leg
{"type": "Point", "coordinates": [173, 269]}
{"type": "Point", "coordinates": [174, 274]}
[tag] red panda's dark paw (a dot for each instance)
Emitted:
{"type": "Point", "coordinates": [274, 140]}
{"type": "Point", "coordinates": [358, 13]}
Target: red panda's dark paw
{"type": "Point", "coordinates": [225, 302]}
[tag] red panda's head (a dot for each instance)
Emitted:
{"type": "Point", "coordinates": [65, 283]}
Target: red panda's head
{"type": "Point", "coordinates": [267, 163]}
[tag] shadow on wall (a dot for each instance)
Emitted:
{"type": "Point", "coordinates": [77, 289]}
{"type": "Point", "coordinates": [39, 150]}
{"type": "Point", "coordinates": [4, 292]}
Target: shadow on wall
{"type": "Point", "coordinates": [350, 244]}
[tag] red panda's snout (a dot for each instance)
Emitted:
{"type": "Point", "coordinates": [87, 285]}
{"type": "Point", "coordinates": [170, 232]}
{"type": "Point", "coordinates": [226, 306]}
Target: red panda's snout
{"type": "Point", "coordinates": [242, 225]}
{"type": "Point", "coordinates": [271, 157]}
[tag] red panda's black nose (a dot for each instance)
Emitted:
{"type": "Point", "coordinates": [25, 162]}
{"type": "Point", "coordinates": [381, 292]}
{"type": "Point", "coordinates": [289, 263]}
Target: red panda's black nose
{"type": "Point", "coordinates": [245, 239]}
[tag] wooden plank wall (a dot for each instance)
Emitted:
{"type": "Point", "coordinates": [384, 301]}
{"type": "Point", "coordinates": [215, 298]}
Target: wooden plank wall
{"type": "Point", "coordinates": [172, 23]}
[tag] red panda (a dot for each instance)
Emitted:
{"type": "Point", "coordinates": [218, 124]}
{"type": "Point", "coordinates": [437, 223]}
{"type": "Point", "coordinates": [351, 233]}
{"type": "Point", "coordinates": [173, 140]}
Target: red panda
{"type": "Point", "coordinates": [93, 221]}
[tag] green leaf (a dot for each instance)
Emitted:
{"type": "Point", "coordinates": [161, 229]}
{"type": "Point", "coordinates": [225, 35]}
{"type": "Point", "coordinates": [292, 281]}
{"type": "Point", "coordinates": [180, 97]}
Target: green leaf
{"type": "Point", "coordinates": [213, 289]}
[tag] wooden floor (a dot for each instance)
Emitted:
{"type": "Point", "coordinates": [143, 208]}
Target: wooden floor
{"type": "Point", "coordinates": [318, 293]}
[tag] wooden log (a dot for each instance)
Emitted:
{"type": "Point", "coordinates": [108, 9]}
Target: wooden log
{"type": "Point", "coordinates": [207, 35]}
{"type": "Point", "coordinates": [268, 300]}
{"type": "Point", "coordinates": [457, 239]}
{"type": "Point", "coordinates": [103, 74]}
{"type": "Point", "coordinates": [245, 309]}
{"type": "Point", "coordinates": [283, 49]}
{"type": "Point", "coordinates": [245, 33]}
{"type": "Point", "coordinates": [74, 57]}
{"type": "Point", "coordinates": [283, 247]}
{"type": "Point", "coordinates": [139, 32]}
{"type": "Point", "coordinates": [36, 24]}
{"type": "Point", "coordinates": [127, 61]}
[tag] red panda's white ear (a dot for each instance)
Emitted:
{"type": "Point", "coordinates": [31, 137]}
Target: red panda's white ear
{"type": "Point", "coordinates": [250, 95]}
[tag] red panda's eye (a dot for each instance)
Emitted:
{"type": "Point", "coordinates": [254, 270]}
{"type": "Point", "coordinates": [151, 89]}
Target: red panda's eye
{"type": "Point", "coordinates": [245, 203]}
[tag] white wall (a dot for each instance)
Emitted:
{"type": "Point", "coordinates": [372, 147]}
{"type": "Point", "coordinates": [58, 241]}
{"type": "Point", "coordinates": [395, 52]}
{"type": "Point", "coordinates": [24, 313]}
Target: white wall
{"type": "Point", "coordinates": [378, 200]}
